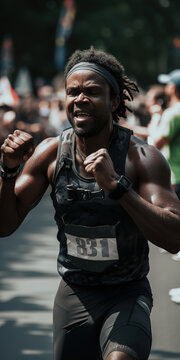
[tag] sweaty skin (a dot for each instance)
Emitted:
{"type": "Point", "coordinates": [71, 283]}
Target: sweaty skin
{"type": "Point", "coordinates": [151, 202]}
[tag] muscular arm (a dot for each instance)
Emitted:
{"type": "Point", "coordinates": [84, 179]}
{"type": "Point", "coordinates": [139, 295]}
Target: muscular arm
{"type": "Point", "coordinates": [153, 206]}
{"type": "Point", "coordinates": [151, 203]}
{"type": "Point", "coordinates": [18, 197]}
{"type": "Point", "coordinates": [159, 225]}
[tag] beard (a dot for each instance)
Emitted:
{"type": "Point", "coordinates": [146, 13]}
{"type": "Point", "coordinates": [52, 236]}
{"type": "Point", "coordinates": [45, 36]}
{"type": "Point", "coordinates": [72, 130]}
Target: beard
{"type": "Point", "coordinates": [91, 128]}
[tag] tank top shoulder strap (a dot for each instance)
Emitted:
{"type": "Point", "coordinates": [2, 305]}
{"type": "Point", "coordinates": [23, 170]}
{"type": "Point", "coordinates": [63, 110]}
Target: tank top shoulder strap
{"type": "Point", "coordinates": [119, 146]}
{"type": "Point", "coordinates": [64, 152]}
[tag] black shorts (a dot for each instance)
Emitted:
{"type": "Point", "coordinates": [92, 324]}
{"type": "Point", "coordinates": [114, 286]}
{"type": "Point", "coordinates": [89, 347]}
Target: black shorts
{"type": "Point", "coordinates": [91, 322]}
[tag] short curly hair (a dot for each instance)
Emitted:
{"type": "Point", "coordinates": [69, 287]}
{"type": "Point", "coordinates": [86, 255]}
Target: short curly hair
{"type": "Point", "coordinates": [108, 61]}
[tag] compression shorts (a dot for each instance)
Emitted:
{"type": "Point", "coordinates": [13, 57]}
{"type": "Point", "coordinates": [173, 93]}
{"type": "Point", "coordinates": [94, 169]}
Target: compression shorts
{"type": "Point", "coordinates": [91, 322]}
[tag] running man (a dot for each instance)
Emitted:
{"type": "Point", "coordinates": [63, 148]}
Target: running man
{"type": "Point", "coordinates": [111, 193]}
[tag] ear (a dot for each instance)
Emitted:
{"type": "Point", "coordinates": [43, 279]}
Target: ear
{"type": "Point", "coordinates": [115, 103]}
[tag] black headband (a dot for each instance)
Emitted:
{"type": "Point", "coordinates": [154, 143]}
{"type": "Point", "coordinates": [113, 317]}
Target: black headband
{"type": "Point", "coordinates": [99, 70]}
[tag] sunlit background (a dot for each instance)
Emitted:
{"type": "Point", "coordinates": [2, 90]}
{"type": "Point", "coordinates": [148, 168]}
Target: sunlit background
{"type": "Point", "coordinates": [40, 35]}
{"type": "Point", "coordinates": [36, 39]}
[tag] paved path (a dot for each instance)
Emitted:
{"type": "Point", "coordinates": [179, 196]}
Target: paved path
{"type": "Point", "coordinates": [164, 275]}
{"type": "Point", "coordinates": [28, 283]}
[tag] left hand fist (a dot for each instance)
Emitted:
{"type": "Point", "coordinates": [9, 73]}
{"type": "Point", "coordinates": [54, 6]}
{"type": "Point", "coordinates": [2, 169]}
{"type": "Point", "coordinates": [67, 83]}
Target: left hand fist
{"type": "Point", "coordinates": [100, 165]}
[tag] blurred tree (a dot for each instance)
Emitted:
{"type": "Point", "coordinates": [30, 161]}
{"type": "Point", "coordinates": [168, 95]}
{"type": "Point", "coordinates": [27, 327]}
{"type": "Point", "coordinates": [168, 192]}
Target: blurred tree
{"type": "Point", "coordinates": [32, 25]}
{"type": "Point", "coordinates": [139, 33]}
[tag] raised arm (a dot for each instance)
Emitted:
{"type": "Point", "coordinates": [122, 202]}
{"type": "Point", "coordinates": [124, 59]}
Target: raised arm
{"type": "Point", "coordinates": [151, 203]}
{"type": "Point", "coordinates": [19, 196]}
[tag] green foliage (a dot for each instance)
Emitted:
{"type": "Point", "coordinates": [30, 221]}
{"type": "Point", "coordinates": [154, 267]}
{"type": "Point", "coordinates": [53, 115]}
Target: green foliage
{"type": "Point", "coordinates": [138, 32]}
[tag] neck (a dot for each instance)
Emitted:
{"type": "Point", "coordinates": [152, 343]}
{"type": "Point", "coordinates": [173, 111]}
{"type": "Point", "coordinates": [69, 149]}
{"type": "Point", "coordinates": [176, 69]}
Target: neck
{"type": "Point", "coordinates": [88, 145]}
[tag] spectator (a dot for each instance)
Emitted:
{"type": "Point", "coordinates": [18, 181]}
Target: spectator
{"type": "Point", "coordinates": [28, 118]}
{"type": "Point", "coordinates": [148, 109]}
{"type": "Point", "coordinates": [167, 138]}
{"type": "Point", "coordinates": [57, 117]}
{"type": "Point", "coordinates": [7, 121]}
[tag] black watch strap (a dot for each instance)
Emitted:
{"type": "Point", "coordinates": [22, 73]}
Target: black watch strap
{"type": "Point", "coordinates": [123, 185]}
{"type": "Point", "coordinates": [8, 173]}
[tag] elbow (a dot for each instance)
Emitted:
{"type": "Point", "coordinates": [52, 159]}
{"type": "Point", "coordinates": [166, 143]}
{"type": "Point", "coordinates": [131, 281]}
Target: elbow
{"type": "Point", "coordinates": [171, 251]}
{"type": "Point", "coordinates": [173, 248]}
{"type": "Point", "coordinates": [171, 239]}
{"type": "Point", "coordinates": [172, 245]}
{"type": "Point", "coordinates": [6, 232]}
{"type": "Point", "coordinates": [7, 228]}
{"type": "Point", "coordinates": [2, 234]}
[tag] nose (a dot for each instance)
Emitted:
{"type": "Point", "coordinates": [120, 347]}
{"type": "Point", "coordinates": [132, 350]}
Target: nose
{"type": "Point", "coordinates": [81, 97]}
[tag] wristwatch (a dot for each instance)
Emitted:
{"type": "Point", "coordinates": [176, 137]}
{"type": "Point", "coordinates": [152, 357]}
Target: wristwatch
{"type": "Point", "coordinates": [123, 185]}
{"type": "Point", "coordinates": [8, 173]}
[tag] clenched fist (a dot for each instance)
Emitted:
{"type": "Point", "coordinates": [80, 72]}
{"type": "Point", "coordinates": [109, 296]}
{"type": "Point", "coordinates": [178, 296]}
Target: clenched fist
{"type": "Point", "coordinates": [100, 165]}
{"type": "Point", "coordinates": [17, 148]}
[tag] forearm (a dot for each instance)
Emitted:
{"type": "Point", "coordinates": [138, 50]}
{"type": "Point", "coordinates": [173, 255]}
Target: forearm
{"type": "Point", "coordinates": [9, 217]}
{"type": "Point", "coordinates": [160, 226]}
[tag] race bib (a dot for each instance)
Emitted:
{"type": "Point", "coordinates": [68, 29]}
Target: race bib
{"type": "Point", "coordinates": [100, 249]}
{"type": "Point", "coordinates": [92, 248]}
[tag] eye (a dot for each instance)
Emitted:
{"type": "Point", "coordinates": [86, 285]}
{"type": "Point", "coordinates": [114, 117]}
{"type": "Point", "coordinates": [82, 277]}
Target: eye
{"type": "Point", "coordinates": [92, 91]}
{"type": "Point", "coordinates": [72, 91]}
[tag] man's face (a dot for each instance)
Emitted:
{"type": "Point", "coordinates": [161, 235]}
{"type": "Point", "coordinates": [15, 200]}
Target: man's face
{"type": "Point", "coordinates": [88, 103]}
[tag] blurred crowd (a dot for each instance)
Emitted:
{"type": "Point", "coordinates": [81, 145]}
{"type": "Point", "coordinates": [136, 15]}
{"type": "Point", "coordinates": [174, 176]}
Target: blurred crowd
{"type": "Point", "coordinates": [155, 118]}
{"type": "Point", "coordinates": [40, 113]}
{"type": "Point", "coordinates": [154, 115]}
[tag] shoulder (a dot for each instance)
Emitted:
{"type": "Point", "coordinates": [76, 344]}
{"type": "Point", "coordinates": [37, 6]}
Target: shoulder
{"type": "Point", "coordinates": [44, 155]}
{"type": "Point", "coordinates": [47, 146]}
{"type": "Point", "coordinates": [143, 153]}
{"type": "Point", "coordinates": [147, 163]}
{"type": "Point", "coordinates": [46, 151]}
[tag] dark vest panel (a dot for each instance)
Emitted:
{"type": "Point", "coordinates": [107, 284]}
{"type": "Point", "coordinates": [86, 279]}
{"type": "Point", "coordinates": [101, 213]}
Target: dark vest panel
{"type": "Point", "coordinates": [99, 242]}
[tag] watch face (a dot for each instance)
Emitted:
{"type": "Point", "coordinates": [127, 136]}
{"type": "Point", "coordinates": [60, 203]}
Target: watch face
{"type": "Point", "coordinates": [123, 185]}
{"type": "Point", "coordinates": [123, 181]}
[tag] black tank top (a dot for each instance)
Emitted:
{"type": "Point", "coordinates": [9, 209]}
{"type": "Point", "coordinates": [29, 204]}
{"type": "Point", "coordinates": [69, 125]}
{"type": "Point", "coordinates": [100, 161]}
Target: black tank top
{"type": "Point", "coordinates": [99, 242]}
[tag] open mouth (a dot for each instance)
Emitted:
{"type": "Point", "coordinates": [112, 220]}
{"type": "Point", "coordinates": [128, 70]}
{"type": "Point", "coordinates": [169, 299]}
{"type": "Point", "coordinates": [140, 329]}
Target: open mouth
{"type": "Point", "coordinates": [81, 115]}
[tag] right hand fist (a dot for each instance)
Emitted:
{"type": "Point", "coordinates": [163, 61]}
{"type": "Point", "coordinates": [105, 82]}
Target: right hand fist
{"type": "Point", "coordinates": [17, 148]}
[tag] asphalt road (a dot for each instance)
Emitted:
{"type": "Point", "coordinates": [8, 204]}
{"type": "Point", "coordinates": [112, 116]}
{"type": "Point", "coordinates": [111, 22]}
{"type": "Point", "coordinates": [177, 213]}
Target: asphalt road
{"type": "Point", "coordinates": [28, 283]}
